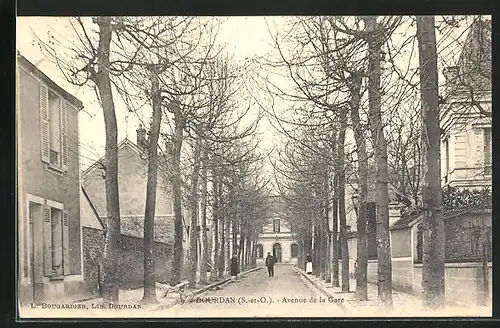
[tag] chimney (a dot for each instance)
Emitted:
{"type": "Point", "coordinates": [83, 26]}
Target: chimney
{"type": "Point", "coordinates": [394, 212]}
{"type": "Point", "coordinates": [451, 78]}
{"type": "Point", "coordinates": [141, 137]}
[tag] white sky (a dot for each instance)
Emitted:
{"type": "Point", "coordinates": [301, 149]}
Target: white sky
{"type": "Point", "coordinates": [245, 37]}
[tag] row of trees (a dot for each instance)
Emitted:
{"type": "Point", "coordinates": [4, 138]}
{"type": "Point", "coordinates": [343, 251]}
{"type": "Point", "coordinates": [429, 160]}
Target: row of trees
{"type": "Point", "coordinates": [174, 70]}
{"type": "Point", "coordinates": [353, 79]}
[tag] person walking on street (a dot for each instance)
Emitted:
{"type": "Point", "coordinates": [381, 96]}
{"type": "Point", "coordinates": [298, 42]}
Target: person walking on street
{"type": "Point", "coordinates": [235, 266]}
{"type": "Point", "coordinates": [270, 261]}
{"type": "Point", "coordinates": [309, 267]}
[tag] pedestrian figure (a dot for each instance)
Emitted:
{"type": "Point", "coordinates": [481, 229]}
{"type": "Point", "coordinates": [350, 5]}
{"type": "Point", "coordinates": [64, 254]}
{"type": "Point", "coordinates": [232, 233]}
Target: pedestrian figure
{"type": "Point", "coordinates": [309, 265]}
{"type": "Point", "coordinates": [235, 266]}
{"type": "Point", "coordinates": [270, 261]}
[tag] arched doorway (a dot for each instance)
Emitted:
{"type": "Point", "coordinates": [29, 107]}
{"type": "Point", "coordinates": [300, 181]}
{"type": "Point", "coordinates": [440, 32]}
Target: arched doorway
{"type": "Point", "coordinates": [277, 252]}
{"type": "Point", "coordinates": [260, 251]}
{"type": "Point", "coordinates": [294, 250]}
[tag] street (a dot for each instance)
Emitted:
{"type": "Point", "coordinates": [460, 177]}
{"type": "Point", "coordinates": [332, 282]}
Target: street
{"type": "Point", "coordinates": [286, 294]}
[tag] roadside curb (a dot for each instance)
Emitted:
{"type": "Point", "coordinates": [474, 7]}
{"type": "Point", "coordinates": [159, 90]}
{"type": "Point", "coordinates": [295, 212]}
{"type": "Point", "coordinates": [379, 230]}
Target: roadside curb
{"type": "Point", "coordinates": [218, 283]}
{"type": "Point", "coordinates": [344, 305]}
{"type": "Point", "coordinates": [201, 290]}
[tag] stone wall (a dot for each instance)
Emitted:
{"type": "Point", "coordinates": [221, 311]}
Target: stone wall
{"type": "Point", "coordinates": [463, 282]}
{"type": "Point", "coordinates": [402, 273]}
{"type": "Point", "coordinates": [131, 260]}
{"type": "Point", "coordinates": [401, 243]}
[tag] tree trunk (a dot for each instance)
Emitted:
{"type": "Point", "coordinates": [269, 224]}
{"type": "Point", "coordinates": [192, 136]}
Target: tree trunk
{"type": "Point", "coordinates": [335, 219]}
{"type": "Point", "coordinates": [193, 231]}
{"type": "Point", "coordinates": [433, 225]}
{"type": "Point", "coordinates": [327, 239]}
{"type": "Point", "coordinates": [149, 212]}
{"type": "Point", "coordinates": [321, 239]}
{"type": "Point", "coordinates": [382, 176]}
{"type": "Point", "coordinates": [113, 233]}
{"type": "Point", "coordinates": [315, 250]}
{"type": "Point", "coordinates": [215, 228]}
{"type": "Point", "coordinates": [227, 244]}
{"type": "Point", "coordinates": [301, 258]}
{"type": "Point", "coordinates": [248, 252]}
{"type": "Point", "coordinates": [362, 252]}
{"type": "Point", "coordinates": [177, 193]}
{"type": "Point", "coordinates": [242, 249]}
{"type": "Point", "coordinates": [341, 199]}
{"type": "Point", "coordinates": [222, 237]}
{"type": "Point", "coordinates": [204, 239]}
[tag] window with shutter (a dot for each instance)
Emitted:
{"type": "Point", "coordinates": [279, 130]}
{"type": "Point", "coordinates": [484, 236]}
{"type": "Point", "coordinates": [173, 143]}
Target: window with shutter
{"type": "Point", "coordinates": [57, 241]}
{"type": "Point", "coordinates": [47, 241]}
{"type": "Point", "coordinates": [44, 122]}
{"type": "Point", "coordinates": [479, 136]}
{"type": "Point", "coordinates": [64, 135]}
{"type": "Point", "coordinates": [65, 237]}
{"type": "Point", "coordinates": [487, 151]}
{"type": "Point", "coordinates": [55, 129]}
{"type": "Point", "coordinates": [446, 159]}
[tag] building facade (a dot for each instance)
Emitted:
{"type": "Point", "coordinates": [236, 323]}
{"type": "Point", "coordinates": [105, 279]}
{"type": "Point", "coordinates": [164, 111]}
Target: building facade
{"type": "Point", "coordinates": [132, 182]}
{"type": "Point", "coordinates": [49, 229]}
{"type": "Point", "coordinates": [131, 259]}
{"type": "Point", "coordinates": [465, 113]}
{"type": "Point", "coordinates": [277, 238]}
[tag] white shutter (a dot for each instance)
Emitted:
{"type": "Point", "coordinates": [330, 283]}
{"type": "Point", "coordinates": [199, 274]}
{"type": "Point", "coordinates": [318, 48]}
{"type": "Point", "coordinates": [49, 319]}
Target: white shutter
{"type": "Point", "coordinates": [479, 145]}
{"type": "Point", "coordinates": [47, 241]}
{"type": "Point", "coordinates": [461, 149]}
{"type": "Point", "coordinates": [64, 135]}
{"type": "Point", "coordinates": [65, 238]}
{"type": "Point", "coordinates": [44, 123]}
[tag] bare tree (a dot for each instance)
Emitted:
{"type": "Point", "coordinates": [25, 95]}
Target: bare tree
{"type": "Point", "coordinates": [433, 224]}
{"type": "Point", "coordinates": [376, 126]}
{"type": "Point", "coordinates": [203, 224]}
{"type": "Point", "coordinates": [193, 232]}
{"type": "Point", "coordinates": [149, 212]}
{"type": "Point", "coordinates": [90, 62]}
{"type": "Point", "coordinates": [361, 239]}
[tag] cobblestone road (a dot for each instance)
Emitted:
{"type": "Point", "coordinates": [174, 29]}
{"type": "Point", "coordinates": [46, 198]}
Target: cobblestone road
{"type": "Point", "coordinates": [286, 294]}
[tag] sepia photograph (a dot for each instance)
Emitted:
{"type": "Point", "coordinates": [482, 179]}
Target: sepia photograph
{"type": "Point", "coordinates": [254, 166]}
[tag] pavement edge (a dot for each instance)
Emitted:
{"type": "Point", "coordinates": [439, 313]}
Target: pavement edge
{"type": "Point", "coordinates": [344, 306]}
{"type": "Point", "coordinates": [202, 290]}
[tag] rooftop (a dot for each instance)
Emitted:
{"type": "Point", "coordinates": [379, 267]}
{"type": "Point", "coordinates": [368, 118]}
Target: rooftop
{"type": "Point", "coordinates": [32, 69]}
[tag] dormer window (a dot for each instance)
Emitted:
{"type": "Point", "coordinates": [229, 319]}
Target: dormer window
{"type": "Point", "coordinates": [276, 225]}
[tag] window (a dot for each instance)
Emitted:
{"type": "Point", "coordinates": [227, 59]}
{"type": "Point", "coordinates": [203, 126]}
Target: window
{"type": "Point", "coordinates": [294, 250]}
{"type": "Point", "coordinates": [487, 151]}
{"type": "Point", "coordinates": [54, 129]}
{"type": "Point", "coordinates": [276, 225]}
{"type": "Point", "coordinates": [53, 122]}
{"type": "Point", "coordinates": [446, 145]}
{"type": "Point", "coordinates": [260, 251]}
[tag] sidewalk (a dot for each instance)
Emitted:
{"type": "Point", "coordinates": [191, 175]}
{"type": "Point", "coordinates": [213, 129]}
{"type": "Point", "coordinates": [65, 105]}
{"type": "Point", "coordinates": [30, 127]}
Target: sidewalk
{"type": "Point", "coordinates": [134, 296]}
{"type": "Point", "coordinates": [404, 304]}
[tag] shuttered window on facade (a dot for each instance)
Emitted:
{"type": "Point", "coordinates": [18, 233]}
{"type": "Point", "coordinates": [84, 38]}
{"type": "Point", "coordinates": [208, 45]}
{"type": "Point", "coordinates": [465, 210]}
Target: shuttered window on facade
{"type": "Point", "coordinates": [487, 151]}
{"type": "Point", "coordinates": [54, 129]}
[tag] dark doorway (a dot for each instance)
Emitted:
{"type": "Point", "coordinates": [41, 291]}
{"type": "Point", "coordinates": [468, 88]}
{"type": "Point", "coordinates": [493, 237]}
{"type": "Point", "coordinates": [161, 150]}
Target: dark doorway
{"type": "Point", "coordinates": [35, 253]}
{"type": "Point", "coordinates": [294, 250]}
{"type": "Point", "coordinates": [277, 252]}
{"type": "Point", "coordinates": [260, 251]}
